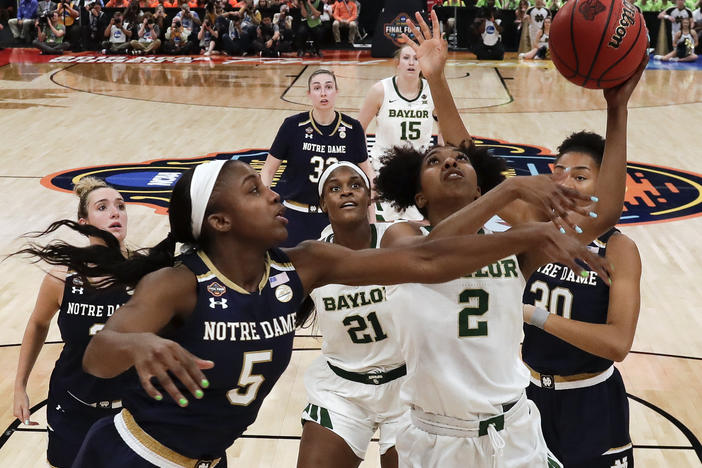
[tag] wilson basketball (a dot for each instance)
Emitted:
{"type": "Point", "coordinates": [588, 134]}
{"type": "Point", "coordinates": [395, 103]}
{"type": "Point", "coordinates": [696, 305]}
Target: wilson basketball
{"type": "Point", "coordinates": [598, 43]}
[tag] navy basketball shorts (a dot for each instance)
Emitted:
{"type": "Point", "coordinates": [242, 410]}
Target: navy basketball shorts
{"type": "Point", "coordinates": [586, 427]}
{"type": "Point", "coordinates": [303, 226]}
{"type": "Point", "coordinates": [104, 448]}
{"type": "Point", "coordinates": [68, 425]}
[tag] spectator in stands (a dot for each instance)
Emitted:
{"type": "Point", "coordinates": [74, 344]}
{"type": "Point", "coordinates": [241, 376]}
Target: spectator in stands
{"type": "Point", "coordinates": [117, 35]}
{"type": "Point", "coordinates": [117, 4]}
{"type": "Point", "coordinates": [685, 42]}
{"type": "Point", "coordinates": [310, 26]}
{"type": "Point", "coordinates": [697, 26]}
{"type": "Point", "coordinates": [537, 14]}
{"type": "Point", "coordinates": [20, 27]}
{"type": "Point", "coordinates": [490, 46]}
{"type": "Point", "coordinates": [208, 37]}
{"type": "Point", "coordinates": [148, 33]}
{"type": "Point", "coordinates": [520, 14]}
{"type": "Point", "coordinates": [177, 38]}
{"type": "Point", "coordinates": [345, 16]}
{"type": "Point", "coordinates": [44, 7]}
{"type": "Point", "coordinates": [94, 26]}
{"type": "Point", "coordinates": [675, 15]}
{"type": "Point", "coordinates": [267, 8]}
{"type": "Point", "coordinates": [539, 48]}
{"type": "Point", "coordinates": [50, 35]}
{"type": "Point", "coordinates": [68, 14]}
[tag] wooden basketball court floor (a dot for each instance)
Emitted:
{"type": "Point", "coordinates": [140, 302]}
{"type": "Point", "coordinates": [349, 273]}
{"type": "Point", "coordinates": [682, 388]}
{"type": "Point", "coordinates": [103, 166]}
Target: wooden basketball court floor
{"type": "Point", "coordinates": [71, 113]}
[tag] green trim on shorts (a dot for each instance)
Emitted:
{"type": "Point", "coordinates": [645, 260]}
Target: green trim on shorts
{"type": "Point", "coordinates": [319, 415]}
{"type": "Point", "coordinates": [552, 462]}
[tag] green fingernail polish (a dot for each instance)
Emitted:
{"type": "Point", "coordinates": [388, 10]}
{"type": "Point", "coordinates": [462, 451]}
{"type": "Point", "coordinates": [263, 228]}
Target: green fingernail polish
{"type": "Point", "coordinates": [183, 402]}
{"type": "Point", "coordinates": [578, 229]}
{"type": "Point", "coordinates": [562, 230]}
{"type": "Point", "coordinates": [204, 383]}
{"type": "Point", "coordinates": [199, 394]}
{"type": "Point", "coordinates": [593, 214]}
{"type": "Point", "coordinates": [158, 397]}
{"type": "Point", "coordinates": [584, 273]}
{"type": "Point", "coordinates": [594, 198]}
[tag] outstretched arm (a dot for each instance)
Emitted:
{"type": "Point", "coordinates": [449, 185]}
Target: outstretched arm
{"type": "Point", "coordinates": [130, 337]}
{"type": "Point", "coordinates": [432, 52]}
{"type": "Point", "coordinates": [371, 105]}
{"type": "Point", "coordinates": [436, 261]}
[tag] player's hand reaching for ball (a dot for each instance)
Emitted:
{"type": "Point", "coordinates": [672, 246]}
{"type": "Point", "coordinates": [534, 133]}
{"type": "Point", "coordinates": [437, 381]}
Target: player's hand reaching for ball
{"type": "Point", "coordinates": [161, 359]}
{"type": "Point", "coordinates": [618, 96]}
{"type": "Point", "coordinates": [431, 49]}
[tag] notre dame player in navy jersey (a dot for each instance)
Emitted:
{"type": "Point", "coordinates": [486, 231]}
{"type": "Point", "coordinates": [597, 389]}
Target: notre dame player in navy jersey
{"type": "Point", "coordinates": [233, 221]}
{"type": "Point", "coordinates": [310, 142]}
{"type": "Point", "coordinates": [76, 399]}
{"type": "Point", "coordinates": [583, 324]}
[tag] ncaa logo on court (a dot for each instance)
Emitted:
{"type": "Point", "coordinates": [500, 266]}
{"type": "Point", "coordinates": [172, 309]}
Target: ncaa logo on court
{"type": "Point", "coordinates": [654, 193]}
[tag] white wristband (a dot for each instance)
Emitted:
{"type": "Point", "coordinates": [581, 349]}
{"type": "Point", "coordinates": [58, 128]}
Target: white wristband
{"type": "Point", "coordinates": [538, 317]}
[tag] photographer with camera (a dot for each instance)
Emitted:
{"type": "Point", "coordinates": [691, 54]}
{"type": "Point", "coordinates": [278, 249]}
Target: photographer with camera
{"type": "Point", "coordinates": [68, 16]}
{"type": "Point", "coordinates": [50, 35]}
{"type": "Point", "coordinates": [93, 26]}
{"type": "Point", "coordinates": [190, 20]}
{"type": "Point", "coordinates": [235, 41]}
{"type": "Point", "coordinates": [20, 27]}
{"type": "Point", "coordinates": [148, 42]}
{"type": "Point", "coordinates": [117, 34]}
{"type": "Point", "coordinates": [177, 39]}
{"type": "Point", "coordinates": [208, 37]}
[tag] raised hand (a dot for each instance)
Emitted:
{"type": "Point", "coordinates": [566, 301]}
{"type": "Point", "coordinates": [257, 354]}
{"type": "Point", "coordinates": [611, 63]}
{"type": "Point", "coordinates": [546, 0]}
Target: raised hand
{"type": "Point", "coordinates": [567, 250]}
{"type": "Point", "coordinates": [618, 96]}
{"type": "Point", "coordinates": [431, 49]}
{"type": "Point", "coordinates": [156, 357]}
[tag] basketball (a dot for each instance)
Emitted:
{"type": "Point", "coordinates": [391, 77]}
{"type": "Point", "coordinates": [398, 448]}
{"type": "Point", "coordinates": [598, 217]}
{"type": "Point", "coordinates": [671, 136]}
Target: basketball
{"type": "Point", "coordinates": [598, 43]}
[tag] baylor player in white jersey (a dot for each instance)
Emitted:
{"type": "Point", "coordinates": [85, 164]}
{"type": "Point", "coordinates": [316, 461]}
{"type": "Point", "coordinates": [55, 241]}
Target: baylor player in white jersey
{"type": "Point", "coordinates": [404, 111]}
{"type": "Point", "coordinates": [353, 387]}
{"type": "Point", "coordinates": [464, 378]}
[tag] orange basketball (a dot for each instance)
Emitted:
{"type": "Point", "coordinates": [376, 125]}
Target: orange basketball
{"type": "Point", "coordinates": [598, 43]}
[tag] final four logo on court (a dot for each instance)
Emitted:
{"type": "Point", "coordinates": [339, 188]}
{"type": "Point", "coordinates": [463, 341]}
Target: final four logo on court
{"type": "Point", "coordinates": [654, 193]}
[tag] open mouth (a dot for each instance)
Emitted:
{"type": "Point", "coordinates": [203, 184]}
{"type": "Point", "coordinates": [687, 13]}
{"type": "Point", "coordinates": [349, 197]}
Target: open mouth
{"type": "Point", "coordinates": [453, 174]}
{"type": "Point", "coordinates": [279, 216]}
{"type": "Point", "coordinates": [115, 226]}
{"type": "Point", "coordinates": [349, 204]}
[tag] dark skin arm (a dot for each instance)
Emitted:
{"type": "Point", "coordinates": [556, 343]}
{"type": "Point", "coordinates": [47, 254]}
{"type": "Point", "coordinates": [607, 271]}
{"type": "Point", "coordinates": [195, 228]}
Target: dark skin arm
{"type": "Point", "coordinates": [434, 261]}
{"type": "Point", "coordinates": [130, 337]}
{"type": "Point", "coordinates": [611, 340]}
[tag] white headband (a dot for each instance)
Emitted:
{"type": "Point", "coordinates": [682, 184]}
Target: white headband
{"type": "Point", "coordinates": [327, 172]}
{"type": "Point", "coordinates": [201, 186]}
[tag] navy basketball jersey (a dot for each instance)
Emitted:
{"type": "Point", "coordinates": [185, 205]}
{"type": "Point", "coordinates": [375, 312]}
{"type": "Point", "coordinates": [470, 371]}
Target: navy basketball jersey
{"type": "Point", "coordinates": [309, 148]}
{"type": "Point", "coordinates": [559, 290]}
{"type": "Point", "coordinates": [84, 311]}
{"type": "Point", "coordinates": [249, 337]}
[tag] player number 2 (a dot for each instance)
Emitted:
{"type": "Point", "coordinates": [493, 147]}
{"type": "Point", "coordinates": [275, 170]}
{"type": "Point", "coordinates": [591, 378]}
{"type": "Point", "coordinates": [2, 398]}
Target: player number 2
{"type": "Point", "coordinates": [557, 300]}
{"type": "Point", "coordinates": [249, 383]}
{"type": "Point", "coordinates": [320, 164]}
{"type": "Point", "coordinates": [477, 300]}
{"type": "Point", "coordinates": [411, 130]}
{"type": "Point", "coordinates": [361, 325]}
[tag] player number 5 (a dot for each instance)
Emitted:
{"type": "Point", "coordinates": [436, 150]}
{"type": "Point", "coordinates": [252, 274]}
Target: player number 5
{"type": "Point", "coordinates": [249, 383]}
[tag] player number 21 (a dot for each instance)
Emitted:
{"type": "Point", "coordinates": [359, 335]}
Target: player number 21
{"type": "Point", "coordinates": [249, 383]}
{"type": "Point", "coordinates": [477, 300]}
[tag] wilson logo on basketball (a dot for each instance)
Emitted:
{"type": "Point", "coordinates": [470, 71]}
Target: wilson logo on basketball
{"type": "Point", "coordinates": [628, 18]}
{"type": "Point", "coordinates": [591, 8]}
{"type": "Point", "coordinates": [654, 194]}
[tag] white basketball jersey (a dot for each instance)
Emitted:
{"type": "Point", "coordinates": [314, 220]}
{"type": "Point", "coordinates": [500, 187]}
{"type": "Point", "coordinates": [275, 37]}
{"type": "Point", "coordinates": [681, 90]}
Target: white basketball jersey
{"type": "Point", "coordinates": [400, 121]}
{"type": "Point", "coordinates": [460, 341]}
{"type": "Point", "coordinates": [355, 322]}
